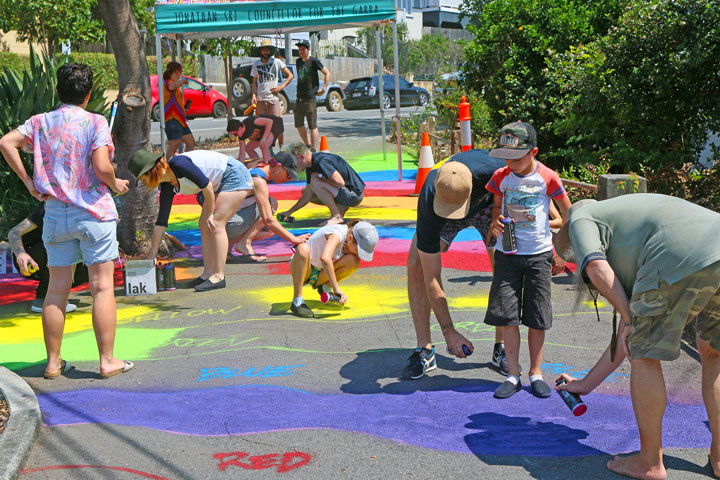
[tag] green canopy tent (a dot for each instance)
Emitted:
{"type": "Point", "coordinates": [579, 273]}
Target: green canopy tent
{"type": "Point", "coordinates": [192, 19]}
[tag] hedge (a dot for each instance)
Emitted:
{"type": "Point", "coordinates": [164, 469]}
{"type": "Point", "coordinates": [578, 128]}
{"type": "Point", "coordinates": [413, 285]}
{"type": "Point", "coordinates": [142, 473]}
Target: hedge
{"type": "Point", "coordinates": [104, 62]}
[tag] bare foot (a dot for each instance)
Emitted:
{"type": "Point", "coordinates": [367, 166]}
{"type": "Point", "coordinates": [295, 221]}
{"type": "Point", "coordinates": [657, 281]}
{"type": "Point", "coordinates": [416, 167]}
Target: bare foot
{"type": "Point", "coordinates": [247, 251]}
{"type": "Point", "coordinates": [334, 220]}
{"type": "Point", "coordinates": [634, 466]}
{"type": "Point", "coordinates": [714, 461]}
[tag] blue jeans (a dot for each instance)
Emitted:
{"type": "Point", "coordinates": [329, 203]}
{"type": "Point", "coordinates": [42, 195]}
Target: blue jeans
{"type": "Point", "coordinates": [72, 235]}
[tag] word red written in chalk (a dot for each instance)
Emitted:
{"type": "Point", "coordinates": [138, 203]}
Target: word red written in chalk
{"type": "Point", "coordinates": [284, 462]}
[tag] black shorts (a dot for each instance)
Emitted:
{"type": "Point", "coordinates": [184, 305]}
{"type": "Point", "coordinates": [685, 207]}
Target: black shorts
{"type": "Point", "coordinates": [520, 291]}
{"type": "Point", "coordinates": [305, 109]}
{"type": "Point", "coordinates": [346, 198]}
{"type": "Point", "coordinates": [174, 130]}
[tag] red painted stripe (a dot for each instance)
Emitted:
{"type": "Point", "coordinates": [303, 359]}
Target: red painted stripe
{"type": "Point", "coordinates": [70, 467]}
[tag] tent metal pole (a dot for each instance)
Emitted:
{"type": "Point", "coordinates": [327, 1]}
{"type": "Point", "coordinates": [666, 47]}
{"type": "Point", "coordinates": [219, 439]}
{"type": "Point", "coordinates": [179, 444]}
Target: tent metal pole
{"type": "Point", "coordinates": [381, 91]}
{"type": "Point", "coordinates": [161, 93]}
{"type": "Point", "coordinates": [288, 49]}
{"type": "Point", "coordinates": [397, 97]}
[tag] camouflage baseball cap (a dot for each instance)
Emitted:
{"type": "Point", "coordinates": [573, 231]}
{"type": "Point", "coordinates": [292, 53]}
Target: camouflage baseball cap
{"type": "Point", "coordinates": [514, 141]}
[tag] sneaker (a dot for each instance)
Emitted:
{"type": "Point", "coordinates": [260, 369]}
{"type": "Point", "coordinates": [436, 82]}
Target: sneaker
{"type": "Point", "coordinates": [302, 311]}
{"type": "Point", "coordinates": [37, 306]}
{"type": "Point", "coordinates": [420, 362]}
{"type": "Point", "coordinates": [500, 361]}
{"type": "Point", "coordinates": [507, 389]}
{"type": "Point", "coordinates": [540, 389]}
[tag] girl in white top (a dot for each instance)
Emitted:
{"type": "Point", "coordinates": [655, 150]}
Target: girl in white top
{"type": "Point", "coordinates": [332, 254]}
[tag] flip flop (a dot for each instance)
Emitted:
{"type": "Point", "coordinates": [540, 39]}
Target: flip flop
{"type": "Point", "coordinates": [64, 367]}
{"type": "Point", "coordinates": [128, 366]}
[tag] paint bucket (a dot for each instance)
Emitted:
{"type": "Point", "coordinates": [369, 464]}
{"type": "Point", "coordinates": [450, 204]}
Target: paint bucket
{"type": "Point", "coordinates": [140, 277]}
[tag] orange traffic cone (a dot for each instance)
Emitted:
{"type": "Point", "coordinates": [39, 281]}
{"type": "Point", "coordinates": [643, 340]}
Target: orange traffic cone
{"type": "Point", "coordinates": [323, 144]}
{"type": "Point", "coordinates": [425, 163]}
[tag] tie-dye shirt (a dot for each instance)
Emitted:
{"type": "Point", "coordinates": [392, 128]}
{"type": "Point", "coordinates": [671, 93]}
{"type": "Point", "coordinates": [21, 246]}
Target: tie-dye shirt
{"type": "Point", "coordinates": [62, 143]}
{"type": "Point", "coordinates": [174, 106]}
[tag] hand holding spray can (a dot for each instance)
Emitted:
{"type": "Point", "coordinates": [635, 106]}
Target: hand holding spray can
{"type": "Point", "coordinates": [572, 400]}
{"type": "Point", "coordinates": [508, 239]}
{"type": "Point", "coordinates": [326, 297]}
{"type": "Point", "coordinates": [465, 350]}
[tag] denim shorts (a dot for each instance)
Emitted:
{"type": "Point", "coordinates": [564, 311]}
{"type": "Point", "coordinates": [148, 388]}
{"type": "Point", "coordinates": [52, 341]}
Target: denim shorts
{"type": "Point", "coordinates": [175, 130]}
{"type": "Point", "coordinates": [72, 235]}
{"type": "Point", "coordinates": [236, 177]}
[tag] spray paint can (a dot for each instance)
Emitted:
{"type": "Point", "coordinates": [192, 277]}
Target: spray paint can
{"type": "Point", "coordinates": [283, 218]}
{"type": "Point", "coordinates": [326, 297]}
{"type": "Point", "coordinates": [508, 239]}
{"type": "Point", "coordinates": [465, 350]}
{"type": "Point", "coordinates": [160, 277]}
{"type": "Point", "coordinates": [170, 276]}
{"type": "Point", "coordinates": [572, 400]}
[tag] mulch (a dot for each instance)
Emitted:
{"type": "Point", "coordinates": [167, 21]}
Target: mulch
{"type": "Point", "coordinates": [4, 413]}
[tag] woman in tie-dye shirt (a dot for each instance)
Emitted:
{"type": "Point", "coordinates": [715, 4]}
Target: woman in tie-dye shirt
{"type": "Point", "coordinates": [176, 126]}
{"type": "Point", "coordinates": [73, 174]}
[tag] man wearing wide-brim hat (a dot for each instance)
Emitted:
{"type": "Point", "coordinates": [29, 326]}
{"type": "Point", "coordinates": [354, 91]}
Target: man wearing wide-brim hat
{"type": "Point", "coordinates": [657, 260]}
{"type": "Point", "coordinates": [266, 74]}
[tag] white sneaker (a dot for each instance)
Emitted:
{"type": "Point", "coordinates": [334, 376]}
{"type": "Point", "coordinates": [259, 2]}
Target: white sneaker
{"type": "Point", "coordinates": [37, 306]}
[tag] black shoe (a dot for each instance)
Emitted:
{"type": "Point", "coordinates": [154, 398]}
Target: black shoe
{"type": "Point", "coordinates": [420, 362]}
{"type": "Point", "coordinates": [207, 285]}
{"type": "Point", "coordinates": [196, 282]}
{"type": "Point", "coordinates": [500, 361]}
{"type": "Point", "coordinates": [302, 311]}
{"type": "Point", "coordinates": [540, 389]}
{"type": "Point", "coordinates": [507, 389]}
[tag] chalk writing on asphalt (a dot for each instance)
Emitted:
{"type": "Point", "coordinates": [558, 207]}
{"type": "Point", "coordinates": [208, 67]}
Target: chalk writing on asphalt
{"type": "Point", "coordinates": [163, 315]}
{"type": "Point", "coordinates": [281, 462]}
{"type": "Point", "coordinates": [266, 372]}
{"type": "Point", "coordinates": [209, 342]}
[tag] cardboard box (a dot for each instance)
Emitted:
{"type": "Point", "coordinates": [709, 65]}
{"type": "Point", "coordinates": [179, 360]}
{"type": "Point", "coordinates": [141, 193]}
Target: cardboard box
{"type": "Point", "coordinates": [140, 277]}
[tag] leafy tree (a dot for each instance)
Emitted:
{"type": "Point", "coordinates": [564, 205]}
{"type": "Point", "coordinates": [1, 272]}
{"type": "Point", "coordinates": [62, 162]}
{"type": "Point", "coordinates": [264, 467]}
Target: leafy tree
{"type": "Point", "coordinates": [367, 39]}
{"type": "Point", "coordinates": [513, 39]}
{"type": "Point", "coordinates": [49, 23]}
{"type": "Point", "coordinates": [646, 94]}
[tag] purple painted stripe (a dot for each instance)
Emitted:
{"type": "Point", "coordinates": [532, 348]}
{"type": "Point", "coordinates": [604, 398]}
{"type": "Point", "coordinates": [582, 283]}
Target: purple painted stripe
{"type": "Point", "coordinates": [465, 420]}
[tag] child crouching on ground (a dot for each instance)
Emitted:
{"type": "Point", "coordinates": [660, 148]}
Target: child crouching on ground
{"type": "Point", "coordinates": [332, 254]}
{"type": "Point", "coordinates": [520, 290]}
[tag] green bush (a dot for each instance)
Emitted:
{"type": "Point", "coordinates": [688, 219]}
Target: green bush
{"type": "Point", "coordinates": [14, 61]}
{"type": "Point", "coordinates": [446, 102]}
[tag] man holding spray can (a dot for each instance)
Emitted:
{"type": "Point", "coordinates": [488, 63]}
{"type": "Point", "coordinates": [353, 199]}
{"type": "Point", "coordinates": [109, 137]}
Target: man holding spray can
{"type": "Point", "coordinates": [656, 259]}
{"type": "Point", "coordinates": [453, 198]}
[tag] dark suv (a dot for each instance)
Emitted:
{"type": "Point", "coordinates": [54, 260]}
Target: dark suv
{"type": "Point", "coordinates": [363, 93]}
{"type": "Point", "coordinates": [242, 91]}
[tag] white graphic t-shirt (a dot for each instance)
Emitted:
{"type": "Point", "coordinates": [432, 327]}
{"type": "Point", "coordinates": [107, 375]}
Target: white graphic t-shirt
{"type": "Point", "coordinates": [526, 199]}
{"type": "Point", "coordinates": [267, 77]}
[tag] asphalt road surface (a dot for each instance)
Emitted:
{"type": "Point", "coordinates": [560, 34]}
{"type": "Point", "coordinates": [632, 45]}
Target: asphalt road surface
{"type": "Point", "coordinates": [332, 124]}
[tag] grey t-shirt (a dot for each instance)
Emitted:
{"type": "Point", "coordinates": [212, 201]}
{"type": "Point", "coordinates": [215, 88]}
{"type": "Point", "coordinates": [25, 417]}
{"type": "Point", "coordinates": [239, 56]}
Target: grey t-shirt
{"type": "Point", "coordinates": [646, 237]}
{"type": "Point", "coordinates": [268, 75]}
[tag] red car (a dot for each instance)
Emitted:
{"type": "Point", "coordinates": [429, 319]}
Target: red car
{"type": "Point", "coordinates": [204, 100]}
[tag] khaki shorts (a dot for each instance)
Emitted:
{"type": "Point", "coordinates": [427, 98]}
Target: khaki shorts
{"type": "Point", "coordinates": [660, 316]}
{"type": "Point", "coordinates": [269, 108]}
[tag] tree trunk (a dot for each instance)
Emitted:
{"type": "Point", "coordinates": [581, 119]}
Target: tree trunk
{"type": "Point", "coordinates": [131, 132]}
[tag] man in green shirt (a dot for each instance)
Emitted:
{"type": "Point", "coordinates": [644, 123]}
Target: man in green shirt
{"type": "Point", "coordinates": [657, 260]}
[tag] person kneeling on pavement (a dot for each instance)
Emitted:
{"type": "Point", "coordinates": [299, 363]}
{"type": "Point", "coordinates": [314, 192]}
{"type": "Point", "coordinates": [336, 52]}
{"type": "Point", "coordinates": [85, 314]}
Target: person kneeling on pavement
{"type": "Point", "coordinates": [30, 258]}
{"type": "Point", "coordinates": [332, 254]}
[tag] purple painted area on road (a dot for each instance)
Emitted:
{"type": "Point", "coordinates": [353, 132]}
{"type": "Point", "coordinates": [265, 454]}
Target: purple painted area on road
{"type": "Point", "coordinates": [464, 420]}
